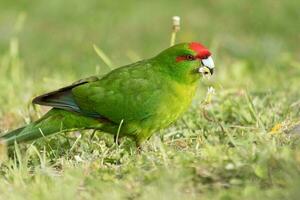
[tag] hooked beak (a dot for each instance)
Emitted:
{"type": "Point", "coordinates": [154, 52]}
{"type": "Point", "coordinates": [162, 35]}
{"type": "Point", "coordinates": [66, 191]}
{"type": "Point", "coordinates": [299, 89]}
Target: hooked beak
{"type": "Point", "coordinates": [209, 63]}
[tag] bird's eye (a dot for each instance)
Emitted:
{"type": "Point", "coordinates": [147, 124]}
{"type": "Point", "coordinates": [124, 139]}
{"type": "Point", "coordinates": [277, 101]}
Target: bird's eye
{"type": "Point", "coordinates": [185, 58]}
{"type": "Point", "coordinates": [190, 57]}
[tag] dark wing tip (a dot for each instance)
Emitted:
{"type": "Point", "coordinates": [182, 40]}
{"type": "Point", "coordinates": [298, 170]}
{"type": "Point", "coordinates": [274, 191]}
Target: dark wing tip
{"type": "Point", "coordinates": [42, 99]}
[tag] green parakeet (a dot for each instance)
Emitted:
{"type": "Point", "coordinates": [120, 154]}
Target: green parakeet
{"type": "Point", "coordinates": [134, 100]}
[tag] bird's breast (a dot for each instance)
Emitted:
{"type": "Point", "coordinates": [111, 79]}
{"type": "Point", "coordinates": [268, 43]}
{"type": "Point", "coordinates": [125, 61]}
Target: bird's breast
{"type": "Point", "coordinates": [175, 103]}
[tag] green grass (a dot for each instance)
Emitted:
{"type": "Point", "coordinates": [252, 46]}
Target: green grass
{"type": "Point", "coordinates": [226, 149]}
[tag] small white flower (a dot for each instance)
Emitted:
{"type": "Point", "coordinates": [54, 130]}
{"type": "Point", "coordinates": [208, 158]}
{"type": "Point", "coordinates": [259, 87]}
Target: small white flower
{"type": "Point", "coordinates": [211, 90]}
{"type": "Point", "coordinates": [176, 21]}
{"type": "Point", "coordinates": [209, 95]}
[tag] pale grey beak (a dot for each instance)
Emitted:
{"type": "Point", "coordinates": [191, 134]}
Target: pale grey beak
{"type": "Point", "coordinates": [209, 63]}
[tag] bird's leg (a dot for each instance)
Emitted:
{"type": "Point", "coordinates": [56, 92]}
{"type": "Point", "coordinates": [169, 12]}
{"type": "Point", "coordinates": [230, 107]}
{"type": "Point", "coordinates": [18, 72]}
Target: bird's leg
{"type": "Point", "coordinates": [139, 141]}
{"type": "Point", "coordinates": [138, 147]}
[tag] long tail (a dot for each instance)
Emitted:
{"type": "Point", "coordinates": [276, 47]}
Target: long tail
{"type": "Point", "coordinates": [55, 121]}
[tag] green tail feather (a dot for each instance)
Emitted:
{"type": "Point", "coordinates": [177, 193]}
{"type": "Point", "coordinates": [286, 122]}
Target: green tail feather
{"type": "Point", "coordinates": [55, 121]}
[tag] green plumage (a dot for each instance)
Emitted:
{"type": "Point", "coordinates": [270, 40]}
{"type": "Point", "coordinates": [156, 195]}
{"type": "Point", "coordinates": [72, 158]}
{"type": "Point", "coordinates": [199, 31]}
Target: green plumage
{"type": "Point", "coordinates": [146, 96]}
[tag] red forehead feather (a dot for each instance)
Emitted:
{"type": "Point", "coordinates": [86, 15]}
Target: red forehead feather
{"type": "Point", "coordinates": [202, 51]}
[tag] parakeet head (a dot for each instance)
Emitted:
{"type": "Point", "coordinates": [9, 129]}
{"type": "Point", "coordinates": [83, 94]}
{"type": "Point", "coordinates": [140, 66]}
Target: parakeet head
{"type": "Point", "coordinates": [185, 61]}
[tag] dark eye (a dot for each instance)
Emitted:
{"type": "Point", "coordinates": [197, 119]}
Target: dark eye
{"type": "Point", "coordinates": [190, 57]}
{"type": "Point", "coordinates": [185, 58]}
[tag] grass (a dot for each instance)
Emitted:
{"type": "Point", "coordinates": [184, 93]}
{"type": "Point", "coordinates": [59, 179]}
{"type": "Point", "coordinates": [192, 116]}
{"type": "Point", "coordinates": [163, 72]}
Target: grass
{"type": "Point", "coordinates": [235, 146]}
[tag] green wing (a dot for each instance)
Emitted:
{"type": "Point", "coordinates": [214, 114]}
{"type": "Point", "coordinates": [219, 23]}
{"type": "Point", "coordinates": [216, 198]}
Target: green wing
{"type": "Point", "coordinates": [130, 93]}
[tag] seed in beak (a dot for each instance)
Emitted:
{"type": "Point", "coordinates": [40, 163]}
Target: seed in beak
{"type": "Point", "coordinates": [205, 71]}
